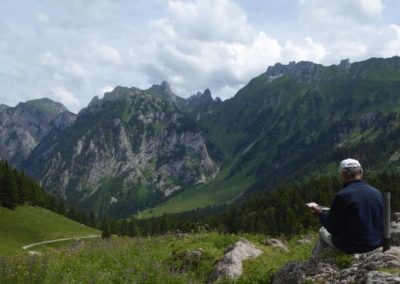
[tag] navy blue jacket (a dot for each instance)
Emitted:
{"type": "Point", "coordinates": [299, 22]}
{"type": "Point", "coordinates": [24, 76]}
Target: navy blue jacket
{"type": "Point", "coordinates": [355, 219]}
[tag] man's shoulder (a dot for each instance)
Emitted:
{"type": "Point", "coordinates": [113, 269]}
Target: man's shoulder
{"type": "Point", "coordinates": [360, 190]}
{"type": "Point", "coordinates": [359, 184]}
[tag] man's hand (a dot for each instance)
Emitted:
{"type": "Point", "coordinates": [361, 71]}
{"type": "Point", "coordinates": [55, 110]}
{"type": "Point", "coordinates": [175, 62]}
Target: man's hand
{"type": "Point", "coordinates": [316, 211]}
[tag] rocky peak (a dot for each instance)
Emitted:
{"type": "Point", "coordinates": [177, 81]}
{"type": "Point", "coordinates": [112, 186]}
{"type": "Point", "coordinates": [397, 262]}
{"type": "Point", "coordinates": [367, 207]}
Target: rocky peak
{"type": "Point", "coordinates": [45, 105]}
{"type": "Point", "coordinates": [200, 102]}
{"type": "Point", "coordinates": [344, 64]}
{"type": "Point", "coordinates": [303, 71]}
{"type": "Point", "coordinates": [218, 100]}
{"type": "Point", "coordinates": [119, 93]}
{"type": "Point", "coordinates": [204, 97]}
{"type": "Point", "coordinates": [23, 127]}
{"type": "Point", "coordinates": [165, 92]}
{"type": "Point", "coordinates": [3, 106]}
{"type": "Point", "coordinates": [279, 69]}
{"type": "Point", "coordinates": [166, 87]}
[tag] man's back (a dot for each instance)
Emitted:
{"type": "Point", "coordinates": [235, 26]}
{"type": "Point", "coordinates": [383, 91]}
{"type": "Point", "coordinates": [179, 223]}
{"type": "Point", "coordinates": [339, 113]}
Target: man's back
{"type": "Point", "coordinates": [356, 218]}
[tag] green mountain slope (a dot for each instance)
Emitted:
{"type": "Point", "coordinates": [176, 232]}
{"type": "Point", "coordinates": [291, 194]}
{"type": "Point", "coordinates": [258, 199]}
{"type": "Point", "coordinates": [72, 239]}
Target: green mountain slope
{"type": "Point", "coordinates": [25, 225]}
{"type": "Point", "coordinates": [125, 152]}
{"type": "Point", "coordinates": [297, 119]}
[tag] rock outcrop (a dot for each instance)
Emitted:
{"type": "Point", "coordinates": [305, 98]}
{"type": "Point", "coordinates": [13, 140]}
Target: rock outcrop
{"type": "Point", "coordinates": [230, 265]}
{"type": "Point", "coordinates": [372, 267]}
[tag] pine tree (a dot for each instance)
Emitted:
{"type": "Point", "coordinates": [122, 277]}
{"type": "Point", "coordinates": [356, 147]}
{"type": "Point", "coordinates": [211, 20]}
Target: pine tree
{"type": "Point", "coordinates": [92, 220]}
{"type": "Point", "coordinates": [106, 229]}
{"type": "Point", "coordinates": [9, 198]}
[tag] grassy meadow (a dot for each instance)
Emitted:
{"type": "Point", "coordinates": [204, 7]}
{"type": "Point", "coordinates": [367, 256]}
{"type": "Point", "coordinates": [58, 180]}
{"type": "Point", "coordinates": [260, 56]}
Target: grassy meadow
{"type": "Point", "coordinates": [219, 191]}
{"type": "Point", "coordinates": [162, 259]}
{"type": "Point", "coordinates": [25, 225]}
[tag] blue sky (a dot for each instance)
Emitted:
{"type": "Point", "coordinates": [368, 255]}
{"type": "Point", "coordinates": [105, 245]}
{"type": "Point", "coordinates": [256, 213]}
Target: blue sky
{"type": "Point", "coordinates": [72, 50]}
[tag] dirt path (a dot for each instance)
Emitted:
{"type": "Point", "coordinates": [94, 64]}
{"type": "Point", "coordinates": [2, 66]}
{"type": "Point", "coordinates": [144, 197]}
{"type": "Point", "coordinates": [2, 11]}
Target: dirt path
{"type": "Point", "coordinates": [32, 252]}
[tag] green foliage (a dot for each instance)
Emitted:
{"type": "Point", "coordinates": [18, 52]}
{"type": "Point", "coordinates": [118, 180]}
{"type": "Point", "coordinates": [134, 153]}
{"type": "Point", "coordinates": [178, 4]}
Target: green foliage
{"type": "Point", "coordinates": [16, 188]}
{"type": "Point", "coordinates": [221, 190]}
{"type": "Point", "coordinates": [341, 259]}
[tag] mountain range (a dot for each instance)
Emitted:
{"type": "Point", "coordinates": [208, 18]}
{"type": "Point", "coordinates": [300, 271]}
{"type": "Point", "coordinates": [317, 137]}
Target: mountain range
{"type": "Point", "coordinates": [135, 149]}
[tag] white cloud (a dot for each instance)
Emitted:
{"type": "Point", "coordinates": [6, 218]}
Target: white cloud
{"type": "Point", "coordinates": [349, 29]}
{"type": "Point", "coordinates": [48, 59]}
{"type": "Point", "coordinates": [88, 46]}
{"type": "Point", "coordinates": [68, 99]}
{"type": "Point", "coordinates": [210, 20]}
{"type": "Point", "coordinates": [310, 50]}
{"type": "Point", "coordinates": [393, 46]}
{"type": "Point", "coordinates": [107, 54]}
{"type": "Point", "coordinates": [340, 12]}
{"type": "Point", "coordinates": [373, 8]}
{"type": "Point", "coordinates": [75, 69]}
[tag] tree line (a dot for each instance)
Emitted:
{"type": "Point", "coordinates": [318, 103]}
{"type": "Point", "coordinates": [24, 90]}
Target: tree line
{"type": "Point", "coordinates": [16, 188]}
{"type": "Point", "coordinates": [281, 211]}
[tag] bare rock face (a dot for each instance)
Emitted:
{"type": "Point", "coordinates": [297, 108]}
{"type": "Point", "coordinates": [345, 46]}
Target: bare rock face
{"type": "Point", "coordinates": [231, 264]}
{"type": "Point", "coordinates": [24, 126]}
{"type": "Point", "coordinates": [125, 152]}
{"type": "Point", "coordinates": [372, 267]}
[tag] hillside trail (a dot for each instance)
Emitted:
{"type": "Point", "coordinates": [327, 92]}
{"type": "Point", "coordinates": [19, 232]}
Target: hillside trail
{"type": "Point", "coordinates": [33, 252]}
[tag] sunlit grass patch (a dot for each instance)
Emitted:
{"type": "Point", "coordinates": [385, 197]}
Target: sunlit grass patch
{"type": "Point", "coordinates": [188, 258]}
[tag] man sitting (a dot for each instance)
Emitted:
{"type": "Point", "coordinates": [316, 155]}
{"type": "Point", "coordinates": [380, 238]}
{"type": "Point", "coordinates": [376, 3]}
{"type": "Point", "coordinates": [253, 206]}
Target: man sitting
{"type": "Point", "coordinates": [354, 223]}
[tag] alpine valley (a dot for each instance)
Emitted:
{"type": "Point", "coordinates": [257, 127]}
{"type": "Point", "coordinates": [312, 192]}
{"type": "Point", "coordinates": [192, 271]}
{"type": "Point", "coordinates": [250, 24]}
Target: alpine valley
{"type": "Point", "coordinates": [138, 149]}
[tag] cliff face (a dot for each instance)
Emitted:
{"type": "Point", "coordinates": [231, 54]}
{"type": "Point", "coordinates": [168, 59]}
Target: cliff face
{"type": "Point", "coordinates": [125, 152]}
{"type": "Point", "coordinates": [22, 127]}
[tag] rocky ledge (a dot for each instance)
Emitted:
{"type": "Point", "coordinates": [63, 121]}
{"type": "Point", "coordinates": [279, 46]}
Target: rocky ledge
{"type": "Point", "coordinates": [372, 267]}
{"type": "Point", "coordinates": [331, 266]}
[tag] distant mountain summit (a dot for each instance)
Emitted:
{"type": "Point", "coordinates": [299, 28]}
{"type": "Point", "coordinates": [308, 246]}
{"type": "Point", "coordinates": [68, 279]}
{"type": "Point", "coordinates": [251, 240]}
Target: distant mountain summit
{"type": "Point", "coordinates": [22, 127]}
{"type": "Point", "coordinates": [165, 92]}
{"type": "Point", "coordinates": [47, 105]}
{"type": "Point", "coordinates": [3, 106]}
{"type": "Point", "coordinates": [125, 152]}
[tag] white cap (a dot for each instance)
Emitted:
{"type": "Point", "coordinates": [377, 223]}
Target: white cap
{"type": "Point", "coordinates": [350, 163]}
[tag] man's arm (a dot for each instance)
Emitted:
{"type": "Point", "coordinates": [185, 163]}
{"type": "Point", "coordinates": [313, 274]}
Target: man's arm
{"type": "Point", "coordinates": [333, 219]}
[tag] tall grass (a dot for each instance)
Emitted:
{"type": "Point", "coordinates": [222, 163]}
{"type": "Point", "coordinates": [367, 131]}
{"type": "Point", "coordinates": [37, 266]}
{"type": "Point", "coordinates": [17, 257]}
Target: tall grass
{"type": "Point", "coordinates": [162, 259]}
